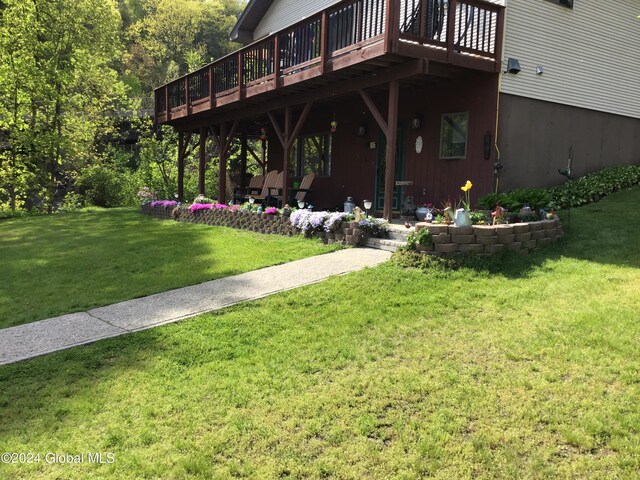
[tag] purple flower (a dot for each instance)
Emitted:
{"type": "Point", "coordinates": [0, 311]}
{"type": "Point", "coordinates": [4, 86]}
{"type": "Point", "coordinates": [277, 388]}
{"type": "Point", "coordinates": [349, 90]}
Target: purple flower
{"type": "Point", "coordinates": [271, 210]}
{"type": "Point", "coordinates": [220, 206]}
{"type": "Point", "coordinates": [200, 206]}
{"type": "Point", "coordinates": [164, 203]}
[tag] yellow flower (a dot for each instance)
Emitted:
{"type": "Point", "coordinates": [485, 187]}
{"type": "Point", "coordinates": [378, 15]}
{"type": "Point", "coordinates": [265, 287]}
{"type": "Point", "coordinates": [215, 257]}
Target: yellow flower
{"type": "Point", "coordinates": [467, 186]}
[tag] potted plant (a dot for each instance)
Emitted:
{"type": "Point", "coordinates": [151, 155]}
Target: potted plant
{"type": "Point", "coordinates": [462, 217]}
{"type": "Point", "coordinates": [423, 211]}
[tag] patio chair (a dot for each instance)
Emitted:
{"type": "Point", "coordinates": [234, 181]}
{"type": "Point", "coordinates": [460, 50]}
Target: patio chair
{"type": "Point", "coordinates": [270, 183]}
{"type": "Point", "coordinates": [301, 194]}
{"type": "Point", "coordinates": [254, 188]}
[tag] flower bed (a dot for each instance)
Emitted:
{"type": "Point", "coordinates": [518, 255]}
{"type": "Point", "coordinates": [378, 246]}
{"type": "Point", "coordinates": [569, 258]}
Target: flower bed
{"type": "Point", "coordinates": [331, 227]}
{"type": "Point", "coordinates": [159, 210]}
{"type": "Point", "coordinates": [519, 237]}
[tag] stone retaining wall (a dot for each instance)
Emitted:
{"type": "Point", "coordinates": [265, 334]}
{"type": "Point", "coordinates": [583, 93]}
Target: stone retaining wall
{"type": "Point", "coordinates": [518, 237]}
{"type": "Point", "coordinates": [349, 234]}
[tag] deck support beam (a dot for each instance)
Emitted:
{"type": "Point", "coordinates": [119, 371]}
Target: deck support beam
{"type": "Point", "coordinates": [201, 164]}
{"type": "Point", "coordinates": [223, 140]}
{"type": "Point", "coordinates": [392, 136]}
{"type": "Point", "coordinates": [181, 151]}
{"type": "Point", "coordinates": [243, 159]}
{"type": "Point", "coordinates": [287, 137]}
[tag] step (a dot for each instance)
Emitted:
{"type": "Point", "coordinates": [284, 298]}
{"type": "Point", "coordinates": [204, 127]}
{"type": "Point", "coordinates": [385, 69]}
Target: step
{"type": "Point", "coordinates": [383, 244]}
{"type": "Point", "coordinates": [399, 235]}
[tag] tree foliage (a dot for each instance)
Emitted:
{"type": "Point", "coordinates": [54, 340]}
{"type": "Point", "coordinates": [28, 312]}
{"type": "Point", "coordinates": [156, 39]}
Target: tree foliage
{"type": "Point", "coordinates": [72, 73]}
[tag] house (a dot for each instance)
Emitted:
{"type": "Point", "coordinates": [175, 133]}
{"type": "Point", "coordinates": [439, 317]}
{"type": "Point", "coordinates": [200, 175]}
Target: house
{"type": "Point", "coordinates": [332, 84]}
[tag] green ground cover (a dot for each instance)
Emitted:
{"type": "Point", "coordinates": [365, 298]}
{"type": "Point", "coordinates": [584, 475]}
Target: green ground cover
{"type": "Point", "coordinates": [52, 265]}
{"type": "Point", "coordinates": [514, 367]}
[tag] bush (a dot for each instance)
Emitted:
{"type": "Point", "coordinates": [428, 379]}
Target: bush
{"type": "Point", "coordinates": [594, 186]}
{"type": "Point", "coordinates": [104, 186]}
{"type": "Point", "coordinates": [574, 193]}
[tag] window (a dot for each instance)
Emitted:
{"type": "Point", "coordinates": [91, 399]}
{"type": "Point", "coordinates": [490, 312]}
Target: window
{"type": "Point", "coordinates": [564, 3]}
{"type": "Point", "coordinates": [311, 154]}
{"type": "Point", "coordinates": [453, 135]}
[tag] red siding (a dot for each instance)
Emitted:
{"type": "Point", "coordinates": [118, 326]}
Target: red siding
{"type": "Point", "coordinates": [354, 163]}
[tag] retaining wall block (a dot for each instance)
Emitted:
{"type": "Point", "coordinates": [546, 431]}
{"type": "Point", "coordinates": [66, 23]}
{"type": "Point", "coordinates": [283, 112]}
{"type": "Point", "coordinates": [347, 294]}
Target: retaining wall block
{"type": "Point", "coordinates": [531, 244]}
{"type": "Point", "coordinates": [494, 248]}
{"type": "Point", "coordinates": [520, 228]}
{"type": "Point", "coordinates": [441, 238]}
{"type": "Point", "coordinates": [434, 228]}
{"type": "Point", "coordinates": [504, 230]}
{"type": "Point", "coordinates": [515, 246]}
{"type": "Point", "coordinates": [463, 238]}
{"type": "Point", "coordinates": [506, 239]}
{"type": "Point", "coordinates": [486, 240]}
{"type": "Point", "coordinates": [453, 230]}
{"type": "Point", "coordinates": [523, 237]}
{"type": "Point", "coordinates": [548, 224]}
{"type": "Point", "coordinates": [446, 247]}
{"type": "Point", "coordinates": [535, 226]}
{"type": "Point", "coordinates": [537, 235]}
{"type": "Point", "coordinates": [484, 230]}
{"type": "Point", "coordinates": [471, 248]}
{"type": "Point", "coordinates": [550, 233]}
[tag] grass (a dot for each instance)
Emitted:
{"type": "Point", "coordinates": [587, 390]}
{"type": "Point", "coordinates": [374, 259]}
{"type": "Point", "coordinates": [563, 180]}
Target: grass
{"type": "Point", "coordinates": [517, 367]}
{"type": "Point", "coordinates": [53, 265]}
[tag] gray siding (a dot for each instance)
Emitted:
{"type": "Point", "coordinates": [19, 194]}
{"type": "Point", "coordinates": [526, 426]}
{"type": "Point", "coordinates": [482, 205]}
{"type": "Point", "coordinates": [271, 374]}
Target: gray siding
{"type": "Point", "coordinates": [535, 136]}
{"type": "Point", "coordinates": [590, 53]}
{"type": "Point", "coordinates": [283, 13]}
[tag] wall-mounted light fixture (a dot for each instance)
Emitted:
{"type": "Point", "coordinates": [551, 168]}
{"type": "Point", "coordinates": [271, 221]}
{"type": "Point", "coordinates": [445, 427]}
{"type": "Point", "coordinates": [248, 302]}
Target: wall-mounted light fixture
{"type": "Point", "coordinates": [539, 69]}
{"type": "Point", "coordinates": [362, 130]}
{"type": "Point", "coordinates": [513, 66]}
{"type": "Point", "coordinates": [416, 121]}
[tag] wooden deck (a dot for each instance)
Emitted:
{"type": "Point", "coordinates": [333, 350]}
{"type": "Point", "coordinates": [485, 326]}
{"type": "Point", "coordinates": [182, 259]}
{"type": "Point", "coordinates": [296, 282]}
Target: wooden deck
{"type": "Point", "coordinates": [374, 34]}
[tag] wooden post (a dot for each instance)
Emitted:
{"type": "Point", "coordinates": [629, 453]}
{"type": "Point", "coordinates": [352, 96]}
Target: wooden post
{"type": "Point", "coordinates": [243, 158]}
{"type": "Point", "coordinates": [392, 136]}
{"type": "Point", "coordinates": [240, 75]}
{"type": "Point", "coordinates": [166, 101]}
{"type": "Point", "coordinates": [201, 165]}
{"type": "Point", "coordinates": [499, 40]}
{"type": "Point", "coordinates": [264, 157]}
{"type": "Point", "coordinates": [212, 97]}
{"type": "Point", "coordinates": [187, 100]}
{"type": "Point", "coordinates": [222, 177]}
{"type": "Point", "coordinates": [276, 60]}
{"type": "Point", "coordinates": [181, 151]}
{"type": "Point", "coordinates": [451, 29]}
{"type": "Point", "coordinates": [392, 26]}
{"type": "Point", "coordinates": [287, 144]}
{"type": "Point", "coordinates": [324, 33]}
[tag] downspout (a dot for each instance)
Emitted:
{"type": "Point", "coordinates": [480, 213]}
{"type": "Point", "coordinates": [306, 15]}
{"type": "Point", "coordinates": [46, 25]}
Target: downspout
{"type": "Point", "coordinates": [497, 164]}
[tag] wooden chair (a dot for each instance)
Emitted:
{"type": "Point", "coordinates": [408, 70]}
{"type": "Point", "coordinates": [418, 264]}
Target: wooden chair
{"type": "Point", "coordinates": [301, 194]}
{"type": "Point", "coordinates": [254, 188]}
{"type": "Point", "coordinates": [270, 182]}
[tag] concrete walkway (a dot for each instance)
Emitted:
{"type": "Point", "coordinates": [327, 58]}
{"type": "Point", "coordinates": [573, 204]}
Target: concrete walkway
{"type": "Point", "coordinates": [59, 333]}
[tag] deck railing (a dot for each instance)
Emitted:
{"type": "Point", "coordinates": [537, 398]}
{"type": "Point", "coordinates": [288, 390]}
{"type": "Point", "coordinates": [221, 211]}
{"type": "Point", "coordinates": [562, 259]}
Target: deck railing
{"type": "Point", "coordinates": [468, 27]}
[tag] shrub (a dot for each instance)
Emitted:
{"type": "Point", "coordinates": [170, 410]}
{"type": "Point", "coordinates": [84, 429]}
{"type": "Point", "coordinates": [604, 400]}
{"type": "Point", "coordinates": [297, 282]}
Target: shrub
{"type": "Point", "coordinates": [104, 186]}
{"type": "Point", "coordinates": [422, 237]}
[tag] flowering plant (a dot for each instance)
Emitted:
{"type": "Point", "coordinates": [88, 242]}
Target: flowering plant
{"type": "Point", "coordinates": [271, 210]}
{"type": "Point", "coordinates": [333, 221]}
{"type": "Point", "coordinates": [145, 195]}
{"type": "Point", "coordinates": [163, 203]}
{"type": "Point", "coordinates": [373, 227]}
{"type": "Point", "coordinates": [466, 199]}
{"type": "Point", "coordinates": [426, 205]}
{"type": "Point", "coordinates": [220, 206]}
{"type": "Point", "coordinates": [307, 221]}
{"type": "Point", "coordinates": [200, 206]}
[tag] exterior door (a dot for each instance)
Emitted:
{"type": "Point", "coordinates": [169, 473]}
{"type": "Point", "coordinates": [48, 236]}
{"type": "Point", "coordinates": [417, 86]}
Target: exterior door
{"type": "Point", "coordinates": [381, 168]}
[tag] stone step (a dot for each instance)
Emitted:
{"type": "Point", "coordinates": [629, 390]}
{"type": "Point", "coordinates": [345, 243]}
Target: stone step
{"type": "Point", "coordinates": [383, 244]}
{"type": "Point", "coordinates": [399, 235]}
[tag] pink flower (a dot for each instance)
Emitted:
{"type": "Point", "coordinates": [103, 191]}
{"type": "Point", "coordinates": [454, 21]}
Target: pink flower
{"type": "Point", "coordinates": [271, 210]}
{"type": "Point", "coordinates": [200, 206]}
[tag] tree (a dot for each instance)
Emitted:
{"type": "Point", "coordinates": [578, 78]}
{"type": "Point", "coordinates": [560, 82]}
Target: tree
{"type": "Point", "coordinates": [59, 92]}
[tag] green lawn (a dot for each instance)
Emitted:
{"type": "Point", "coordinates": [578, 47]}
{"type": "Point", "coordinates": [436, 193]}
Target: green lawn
{"type": "Point", "coordinates": [525, 367]}
{"type": "Point", "coordinates": [52, 265]}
